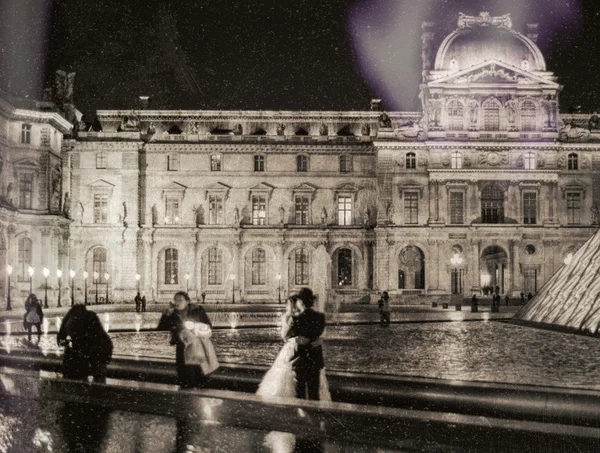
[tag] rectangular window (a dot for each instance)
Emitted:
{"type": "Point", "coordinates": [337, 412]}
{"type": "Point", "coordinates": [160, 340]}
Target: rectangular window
{"type": "Point", "coordinates": [26, 134]}
{"type": "Point", "coordinates": [25, 190]}
{"type": "Point", "coordinates": [491, 118]}
{"type": "Point", "coordinates": [259, 267]}
{"type": "Point", "coordinates": [259, 210]}
{"type": "Point", "coordinates": [215, 262]}
{"type": "Point", "coordinates": [101, 160]}
{"type": "Point", "coordinates": [45, 137]}
{"type": "Point", "coordinates": [301, 267]}
{"type": "Point", "coordinates": [100, 208]}
{"type": "Point", "coordinates": [346, 164]}
{"type": "Point", "coordinates": [457, 208]}
{"type": "Point", "coordinates": [301, 210]}
{"type": "Point", "coordinates": [529, 208]}
{"type": "Point", "coordinates": [171, 267]}
{"type": "Point", "coordinates": [344, 210]}
{"type": "Point", "coordinates": [411, 207]}
{"type": "Point", "coordinates": [573, 208]}
{"type": "Point", "coordinates": [215, 210]}
{"type": "Point", "coordinates": [215, 162]}
{"type": "Point", "coordinates": [173, 162]}
{"type": "Point", "coordinates": [171, 210]}
{"type": "Point", "coordinates": [302, 163]}
{"type": "Point", "coordinates": [259, 163]}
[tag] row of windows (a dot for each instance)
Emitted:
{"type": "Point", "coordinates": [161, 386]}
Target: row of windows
{"type": "Point", "coordinates": [216, 162]}
{"type": "Point", "coordinates": [491, 116]}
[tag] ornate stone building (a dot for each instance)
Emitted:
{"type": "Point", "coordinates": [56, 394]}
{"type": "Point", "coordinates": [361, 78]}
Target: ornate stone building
{"type": "Point", "coordinates": [487, 186]}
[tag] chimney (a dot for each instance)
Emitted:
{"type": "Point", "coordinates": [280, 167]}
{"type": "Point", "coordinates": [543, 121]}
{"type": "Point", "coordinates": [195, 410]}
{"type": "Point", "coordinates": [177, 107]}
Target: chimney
{"type": "Point", "coordinates": [375, 105]}
{"type": "Point", "coordinates": [143, 102]}
{"type": "Point", "coordinates": [532, 32]}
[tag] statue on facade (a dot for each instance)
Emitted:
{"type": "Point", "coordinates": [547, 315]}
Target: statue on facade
{"type": "Point", "coordinates": [129, 123]}
{"type": "Point", "coordinates": [281, 215]}
{"type": "Point", "coordinates": [434, 110]}
{"type": "Point", "coordinates": [366, 217]}
{"type": "Point", "coordinates": [63, 87]}
{"type": "Point", "coordinates": [236, 216]}
{"type": "Point", "coordinates": [473, 109]}
{"type": "Point", "coordinates": [484, 20]}
{"type": "Point", "coordinates": [390, 212]}
{"type": "Point", "coordinates": [550, 107]}
{"type": "Point", "coordinates": [385, 121]}
{"type": "Point", "coordinates": [125, 214]}
{"type": "Point", "coordinates": [238, 130]}
{"type": "Point", "coordinates": [324, 216]}
{"type": "Point", "coordinates": [573, 133]}
{"type": "Point", "coordinates": [81, 211]}
{"type": "Point", "coordinates": [151, 128]}
{"type": "Point", "coordinates": [67, 206]}
{"type": "Point", "coordinates": [154, 215]}
{"type": "Point", "coordinates": [280, 129]}
{"type": "Point", "coordinates": [594, 121]}
{"type": "Point", "coordinates": [55, 196]}
{"type": "Point", "coordinates": [365, 130]}
{"type": "Point", "coordinates": [410, 131]}
{"type": "Point", "coordinates": [198, 214]}
{"type": "Point", "coordinates": [511, 112]}
{"type": "Point", "coordinates": [323, 129]}
{"type": "Point", "coordinates": [595, 214]}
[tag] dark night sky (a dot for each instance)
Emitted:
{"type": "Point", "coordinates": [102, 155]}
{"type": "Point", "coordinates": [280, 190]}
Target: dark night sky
{"type": "Point", "coordinates": [267, 54]}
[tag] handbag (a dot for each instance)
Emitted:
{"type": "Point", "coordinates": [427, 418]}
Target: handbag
{"type": "Point", "coordinates": [199, 350]}
{"type": "Point", "coordinates": [33, 317]}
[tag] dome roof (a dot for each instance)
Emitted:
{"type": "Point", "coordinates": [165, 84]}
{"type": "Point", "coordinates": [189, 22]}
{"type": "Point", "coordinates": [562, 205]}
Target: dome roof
{"type": "Point", "coordinates": [466, 47]}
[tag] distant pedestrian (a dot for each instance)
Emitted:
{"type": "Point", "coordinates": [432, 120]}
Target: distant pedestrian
{"type": "Point", "coordinates": [384, 309]}
{"type": "Point", "coordinates": [143, 304]}
{"type": "Point", "coordinates": [529, 297]}
{"type": "Point", "coordinates": [138, 302]}
{"type": "Point", "coordinates": [506, 299]}
{"type": "Point", "coordinates": [474, 299]}
{"type": "Point", "coordinates": [203, 297]}
{"type": "Point", "coordinates": [88, 348]}
{"type": "Point", "coordinates": [34, 316]}
{"type": "Point", "coordinates": [522, 298]}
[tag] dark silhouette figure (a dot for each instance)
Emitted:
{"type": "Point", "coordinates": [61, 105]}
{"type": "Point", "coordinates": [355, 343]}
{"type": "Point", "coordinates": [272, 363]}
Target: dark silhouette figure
{"type": "Point", "coordinates": [138, 302]}
{"type": "Point", "coordinates": [88, 348]}
{"type": "Point", "coordinates": [308, 327]}
{"type": "Point", "coordinates": [384, 309]}
{"type": "Point", "coordinates": [143, 304]}
{"type": "Point", "coordinates": [34, 316]}
{"type": "Point", "coordinates": [529, 297]}
{"type": "Point", "coordinates": [174, 320]}
{"type": "Point", "coordinates": [506, 299]}
{"type": "Point", "coordinates": [522, 298]}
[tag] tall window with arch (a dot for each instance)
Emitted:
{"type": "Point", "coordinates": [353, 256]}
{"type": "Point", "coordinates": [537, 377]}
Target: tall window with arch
{"type": "Point", "coordinates": [171, 266]}
{"type": "Point", "coordinates": [492, 204]}
{"type": "Point", "coordinates": [24, 259]}
{"type": "Point", "coordinates": [528, 116]}
{"type": "Point", "coordinates": [99, 263]}
{"type": "Point", "coordinates": [215, 266]}
{"type": "Point", "coordinates": [411, 161]}
{"type": "Point", "coordinates": [455, 116]}
{"type": "Point", "coordinates": [301, 267]}
{"type": "Point", "coordinates": [259, 267]}
{"type": "Point", "coordinates": [491, 115]}
{"type": "Point", "coordinates": [344, 267]}
{"type": "Point", "coordinates": [529, 161]}
{"type": "Point", "coordinates": [573, 161]}
{"type": "Point", "coordinates": [456, 160]}
{"type": "Point", "coordinates": [25, 190]}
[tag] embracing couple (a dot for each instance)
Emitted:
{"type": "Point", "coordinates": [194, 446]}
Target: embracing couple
{"type": "Point", "coordinates": [299, 369]}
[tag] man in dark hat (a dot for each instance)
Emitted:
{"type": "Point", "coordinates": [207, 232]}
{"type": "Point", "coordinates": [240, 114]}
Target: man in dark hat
{"type": "Point", "coordinates": [307, 327]}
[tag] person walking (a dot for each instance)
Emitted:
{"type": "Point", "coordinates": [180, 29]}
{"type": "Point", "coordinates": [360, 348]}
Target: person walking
{"type": "Point", "coordinates": [384, 309]}
{"type": "Point", "coordinates": [506, 299]}
{"type": "Point", "coordinates": [143, 302]}
{"type": "Point", "coordinates": [138, 302]}
{"type": "Point", "coordinates": [88, 348]}
{"type": "Point", "coordinates": [522, 298]}
{"type": "Point", "coordinates": [34, 316]}
{"type": "Point", "coordinates": [181, 317]}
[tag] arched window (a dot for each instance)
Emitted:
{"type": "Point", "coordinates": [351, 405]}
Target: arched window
{"type": "Point", "coordinates": [24, 259]}
{"type": "Point", "coordinates": [528, 116]}
{"type": "Point", "coordinates": [301, 267]}
{"type": "Point", "coordinates": [456, 160]}
{"type": "Point", "coordinates": [572, 161]}
{"type": "Point", "coordinates": [411, 160]}
{"type": "Point", "coordinates": [99, 264]}
{"type": "Point", "coordinates": [491, 116]}
{"type": "Point", "coordinates": [215, 266]}
{"type": "Point", "coordinates": [171, 267]}
{"type": "Point", "coordinates": [529, 160]}
{"type": "Point", "coordinates": [259, 267]}
{"type": "Point", "coordinates": [344, 267]}
{"type": "Point", "coordinates": [492, 204]}
{"type": "Point", "coordinates": [455, 116]}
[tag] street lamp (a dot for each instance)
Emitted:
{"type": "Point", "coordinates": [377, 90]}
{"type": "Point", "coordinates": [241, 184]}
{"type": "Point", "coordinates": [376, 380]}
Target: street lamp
{"type": "Point", "coordinates": [106, 277]}
{"type": "Point", "coordinates": [137, 278]}
{"type": "Point", "coordinates": [96, 280]}
{"type": "Point", "coordinates": [30, 271]}
{"type": "Point", "coordinates": [59, 275]}
{"type": "Point", "coordinates": [278, 277]}
{"type": "Point", "coordinates": [72, 275]}
{"type": "Point", "coordinates": [85, 277]}
{"type": "Point", "coordinates": [187, 283]}
{"type": "Point", "coordinates": [8, 271]}
{"type": "Point", "coordinates": [232, 277]}
{"type": "Point", "coordinates": [46, 273]}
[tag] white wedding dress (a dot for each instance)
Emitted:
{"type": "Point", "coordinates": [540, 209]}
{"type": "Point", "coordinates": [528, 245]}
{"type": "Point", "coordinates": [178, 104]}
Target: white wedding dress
{"type": "Point", "coordinates": [279, 381]}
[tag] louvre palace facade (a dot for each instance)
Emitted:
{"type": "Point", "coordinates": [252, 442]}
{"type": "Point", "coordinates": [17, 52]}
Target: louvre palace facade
{"type": "Point", "coordinates": [488, 185]}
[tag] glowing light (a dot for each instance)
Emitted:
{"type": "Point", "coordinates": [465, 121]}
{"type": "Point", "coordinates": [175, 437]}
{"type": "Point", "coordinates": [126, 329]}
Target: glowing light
{"type": "Point", "coordinates": [85, 275]}
{"type": "Point", "coordinates": [72, 273]}
{"type": "Point", "coordinates": [189, 325]}
{"type": "Point", "coordinates": [7, 324]}
{"type": "Point", "coordinates": [45, 326]}
{"type": "Point", "coordinates": [30, 271]}
{"type": "Point", "coordinates": [137, 277]}
{"type": "Point", "coordinates": [485, 279]}
{"type": "Point", "coordinates": [568, 259]}
{"type": "Point", "coordinates": [57, 322]}
{"type": "Point", "coordinates": [58, 273]}
{"type": "Point", "coordinates": [9, 269]}
{"type": "Point", "coordinates": [456, 259]}
{"type": "Point", "coordinates": [106, 276]}
{"type": "Point", "coordinates": [46, 272]}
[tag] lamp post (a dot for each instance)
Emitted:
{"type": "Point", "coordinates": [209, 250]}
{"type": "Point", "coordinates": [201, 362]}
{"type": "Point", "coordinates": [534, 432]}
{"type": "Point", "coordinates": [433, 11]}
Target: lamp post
{"type": "Point", "coordinates": [59, 275]}
{"type": "Point", "coordinates": [9, 270]}
{"type": "Point", "coordinates": [96, 279]}
{"type": "Point", "coordinates": [106, 277]}
{"type": "Point", "coordinates": [232, 277]}
{"type": "Point", "coordinates": [46, 273]}
{"type": "Point", "coordinates": [278, 277]}
{"type": "Point", "coordinates": [137, 278]}
{"type": "Point", "coordinates": [30, 271]}
{"type": "Point", "coordinates": [187, 283]}
{"type": "Point", "coordinates": [85, 277]}
{"type": "Point", "coordinates": [72, 275]}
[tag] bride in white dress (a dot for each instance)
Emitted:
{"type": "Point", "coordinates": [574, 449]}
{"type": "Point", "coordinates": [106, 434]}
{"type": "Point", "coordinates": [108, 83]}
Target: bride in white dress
{"type": "Point", "coordinates": [279, 381]}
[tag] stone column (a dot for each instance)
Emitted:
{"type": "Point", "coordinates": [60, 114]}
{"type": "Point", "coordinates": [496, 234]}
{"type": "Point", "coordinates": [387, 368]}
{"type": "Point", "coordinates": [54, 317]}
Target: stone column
{"type": "Point", "coordinates": [197, 269]}
{"type": "Point", "coordinates": [509, 286]}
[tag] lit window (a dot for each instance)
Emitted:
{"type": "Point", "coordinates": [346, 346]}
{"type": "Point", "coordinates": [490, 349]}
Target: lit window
{"type": "Point", "coordinates": [492, 204]}
{"type": "Point", "coordinates": [344, 210]}
{"type": "Point", "coordinates": [302, 163]}
{"type": "Point", "coordinates": [171, 210]}
{"type": "Point", "coordinates": [215, 210]}
{"type": "Point", "coordinates": [171, 267]}
{"type": "Point", "coordinates": [344, 267]}
{"type": "Point", "coordinates": [173, 162]}
{"type": "Point", "coordinates": [301, 210]}
{"type": "Point", "coordinates": [528, 116]}
{"type": "Point", "coordinates": [346, 164]}
{"type": "Point", "coordinates": [572, 162]}
{"type": "Point", "coordinates": [101, 160]}
{"type": "Point", "coordinates": [529, 160]}
{"type": "Point", "coordinates": [259, 210]}
{"type": "Point", "coordinates": [215, 266]}
{"type": "Point", "coordinates": [259, 267]}
{"type": "Point", "coordinates": [455, 116]}
{"type": "Point", "coordinates": [215, 162]}
{"type": "Point", "coordinates": [301, 267]}
{"type": "Point", "coordinates": [457, 208]}
{"type": "Point", "coordinates": [100, 208]}
{"type": "Point", "coordinates": [411, 207]}
{"type": "Point", "coordinates": [456, 160]}
{"type": "Point", "coordinates": [529, 208]}
{"type": "Point", "coordinates": [411, 160]}
{"type": "Point", "coordinates": [573, 208]}
{"type": "Point", "coordinates": [99, 264]}
{"type": "Point", "coordinates": [24, 259]}
{"type": "Point", "coordinates": [26, 134]}
{"type": "Point", "coordinates": [259, 163]}
{"type": "Point", "coordinates": [25, 190]}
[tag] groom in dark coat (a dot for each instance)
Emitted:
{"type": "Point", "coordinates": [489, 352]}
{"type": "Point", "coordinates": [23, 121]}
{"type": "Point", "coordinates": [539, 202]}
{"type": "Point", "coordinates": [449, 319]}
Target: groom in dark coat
{"type": "Point", "coordinates": [307, 326]}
